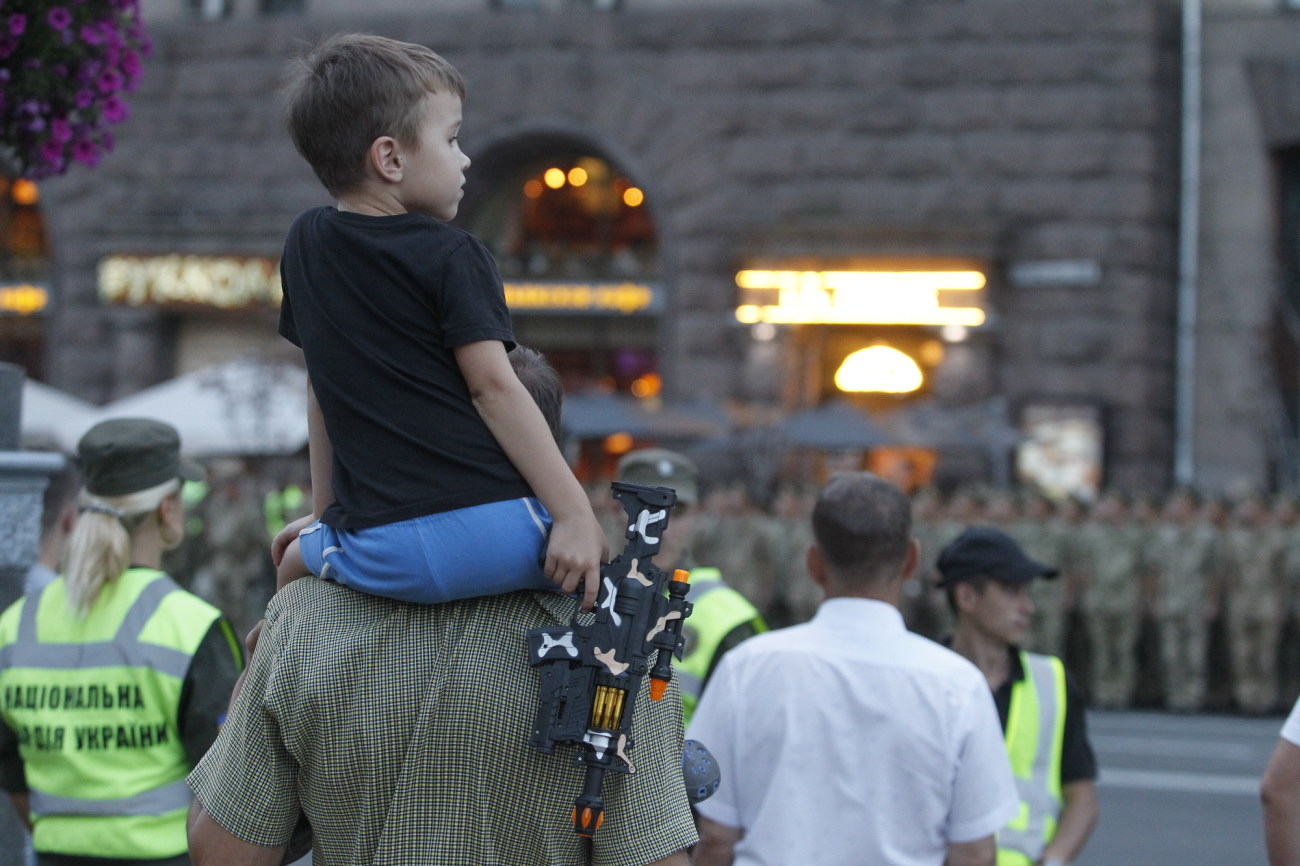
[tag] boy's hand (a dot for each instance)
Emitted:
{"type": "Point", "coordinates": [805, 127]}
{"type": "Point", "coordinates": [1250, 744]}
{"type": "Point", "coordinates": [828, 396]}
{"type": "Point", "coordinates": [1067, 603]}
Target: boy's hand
{"type": "Point", "coordinates": [574, 553]}
{"type": "Point", "coordinates": [288, 534]}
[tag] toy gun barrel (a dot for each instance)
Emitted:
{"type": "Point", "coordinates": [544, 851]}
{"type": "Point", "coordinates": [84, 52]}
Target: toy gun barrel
{"type": "Point", "coordinates": [662, 672]}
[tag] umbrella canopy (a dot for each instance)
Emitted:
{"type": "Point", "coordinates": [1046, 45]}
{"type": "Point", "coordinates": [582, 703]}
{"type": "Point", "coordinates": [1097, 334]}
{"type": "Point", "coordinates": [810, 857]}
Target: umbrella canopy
{"type": "Point", "coordinates": [595, 416]}
{"type": "Point", "coordinates": [241, 407]}
{"type": "Point", "coordinates": [51, 417]}
{"type": "Point", "coordinates": [833, 426]}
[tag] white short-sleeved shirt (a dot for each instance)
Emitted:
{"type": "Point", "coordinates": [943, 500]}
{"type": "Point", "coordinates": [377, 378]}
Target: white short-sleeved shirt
{"type": "Point", "coordinates": [1291, 727]}
{"type": "Point", "coordinates": [849, 740]}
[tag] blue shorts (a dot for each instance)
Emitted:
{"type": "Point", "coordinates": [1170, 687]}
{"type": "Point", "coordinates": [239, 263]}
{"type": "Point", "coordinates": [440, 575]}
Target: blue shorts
{"type": "Point", "coordinates": [482, 550]}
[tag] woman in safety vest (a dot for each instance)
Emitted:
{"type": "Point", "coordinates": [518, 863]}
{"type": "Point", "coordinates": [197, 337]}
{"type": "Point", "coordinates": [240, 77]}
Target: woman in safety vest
{"type": "Point", "coordinates": [113, 679]}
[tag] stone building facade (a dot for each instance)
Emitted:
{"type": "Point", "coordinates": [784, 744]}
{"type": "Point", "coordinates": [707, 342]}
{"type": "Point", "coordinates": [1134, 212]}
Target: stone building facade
{"type": "Point", "coordinates": [1039, 140]}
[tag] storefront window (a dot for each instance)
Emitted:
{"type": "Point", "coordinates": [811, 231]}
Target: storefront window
{"type": "Point", "coordinates": [566, 218]}
{"type": "Point", "coordinates": [577, 248]}
{"type": "Point", "coordinates": [24, 292]}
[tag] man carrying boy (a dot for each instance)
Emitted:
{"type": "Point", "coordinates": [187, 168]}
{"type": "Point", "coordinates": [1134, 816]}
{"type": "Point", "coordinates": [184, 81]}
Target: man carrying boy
{"type": "Point", "coordinates": [987, 578]}
{"type": "Point", "coordinates": [402, 730]}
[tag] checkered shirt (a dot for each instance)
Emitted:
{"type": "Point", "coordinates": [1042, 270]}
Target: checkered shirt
{"type": "Point", "coordinates": [402, 731]}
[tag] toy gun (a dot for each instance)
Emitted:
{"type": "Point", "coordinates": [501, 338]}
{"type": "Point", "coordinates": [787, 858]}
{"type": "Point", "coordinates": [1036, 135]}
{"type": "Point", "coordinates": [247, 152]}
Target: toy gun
{"type": "Point", "coordinates": [591, 672]}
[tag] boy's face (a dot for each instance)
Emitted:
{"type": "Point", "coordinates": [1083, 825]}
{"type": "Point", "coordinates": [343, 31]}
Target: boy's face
{"type": "Point", "coordinates": [432, 181]}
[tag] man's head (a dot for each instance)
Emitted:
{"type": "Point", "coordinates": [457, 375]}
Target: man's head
{"type": "Point", "coordinates": [659, 467]}
{"type": "Point", "coordinates": [987, 578]}
{"type": "Point", "coordinates": [543, 385]}
{"type": "Point", "coordinates": [862, 537]}
{"type": "Point", "coordinates": [350, 90]}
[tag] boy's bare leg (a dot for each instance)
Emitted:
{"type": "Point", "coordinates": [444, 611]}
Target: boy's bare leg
{"type": "Point", "coordinates": [291, 566]}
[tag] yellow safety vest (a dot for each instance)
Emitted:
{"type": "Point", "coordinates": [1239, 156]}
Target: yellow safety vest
{"type": "Point", "coordinates": [1035, 734]}
{"type": "Point", "coordinates": [718, 609]}
{"type": "Point", "coordinates": [94, 703]}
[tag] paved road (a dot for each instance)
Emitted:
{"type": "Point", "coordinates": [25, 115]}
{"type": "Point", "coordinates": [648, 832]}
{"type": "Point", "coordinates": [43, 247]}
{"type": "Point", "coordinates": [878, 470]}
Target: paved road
{"type": "Point", "coordinates": [1179, 790]}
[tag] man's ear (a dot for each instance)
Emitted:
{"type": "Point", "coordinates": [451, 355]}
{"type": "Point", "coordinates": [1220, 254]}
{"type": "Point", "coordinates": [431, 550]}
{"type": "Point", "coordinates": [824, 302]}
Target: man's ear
{"type": "Point", "coordinates": [965, 595]}
{"type": "Point", "coordinates": [913, 559]}
{"type": "Point", "coordinates": [386, 158]}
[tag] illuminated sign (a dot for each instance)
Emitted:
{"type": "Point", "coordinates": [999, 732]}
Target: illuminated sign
{"type": "Point", "coordinates": [594, 298]}
{"type": "Point", "coordinates": [227, 282]}
{"type": "Point", "coordinates": [888, 296]}
{"type": "Point", "coordinates": [24, 299]}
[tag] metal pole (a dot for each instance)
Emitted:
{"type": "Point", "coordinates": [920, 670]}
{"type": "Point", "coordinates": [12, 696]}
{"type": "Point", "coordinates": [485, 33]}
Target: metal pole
{"type": "Point", "coordinates": [1188, 250]}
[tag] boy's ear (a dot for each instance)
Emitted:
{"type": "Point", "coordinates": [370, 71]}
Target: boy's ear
{"type": "Point", "coordinates": [385, 158]}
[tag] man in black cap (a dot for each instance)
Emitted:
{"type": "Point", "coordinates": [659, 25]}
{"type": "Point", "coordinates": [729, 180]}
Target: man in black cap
{"type": "Point", "coordinates": [987, 578]}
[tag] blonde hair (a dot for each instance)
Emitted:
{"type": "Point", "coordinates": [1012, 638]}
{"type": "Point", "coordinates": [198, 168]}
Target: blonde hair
{"type": "Point", "coordinates": [99, 546]}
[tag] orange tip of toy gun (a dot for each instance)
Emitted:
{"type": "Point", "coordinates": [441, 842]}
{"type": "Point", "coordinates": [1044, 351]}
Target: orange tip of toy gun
{"type": "Point", "coordinates": [657, 689]}
{"type": "Point", "coordinates": [682, 574]}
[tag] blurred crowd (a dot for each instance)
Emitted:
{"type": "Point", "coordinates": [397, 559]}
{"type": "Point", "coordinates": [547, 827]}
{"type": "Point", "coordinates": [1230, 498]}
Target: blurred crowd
{"type": "Point", "coordinates": [1181, 601]}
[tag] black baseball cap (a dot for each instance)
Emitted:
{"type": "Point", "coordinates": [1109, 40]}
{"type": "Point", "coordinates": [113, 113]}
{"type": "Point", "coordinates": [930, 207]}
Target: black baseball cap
{"type": "Point", "coordinates": [126, 455]}
{"type": "Point", "coordinates": [983, 550]}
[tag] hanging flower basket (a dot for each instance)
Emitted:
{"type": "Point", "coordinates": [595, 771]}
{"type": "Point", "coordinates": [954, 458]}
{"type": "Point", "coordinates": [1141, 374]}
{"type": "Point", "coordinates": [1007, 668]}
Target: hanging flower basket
{"type": "Point", "coordinates": [65, 66]}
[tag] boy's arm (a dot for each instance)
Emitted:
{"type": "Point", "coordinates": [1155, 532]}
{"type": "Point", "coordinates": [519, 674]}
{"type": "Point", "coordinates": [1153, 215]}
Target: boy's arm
{"type": "Point", "coordinates": [577, 544]}
{"type": "Point", "coordinates": [320, 457]}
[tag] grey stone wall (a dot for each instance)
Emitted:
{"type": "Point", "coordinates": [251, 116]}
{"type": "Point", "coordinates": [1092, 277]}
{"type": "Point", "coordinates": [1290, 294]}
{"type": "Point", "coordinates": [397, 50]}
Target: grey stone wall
{"type": "Point", "coordinates": [1000, 130]}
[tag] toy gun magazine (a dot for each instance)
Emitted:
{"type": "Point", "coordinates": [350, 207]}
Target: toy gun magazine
{"type": "Point", "coordinates": [591, 670]}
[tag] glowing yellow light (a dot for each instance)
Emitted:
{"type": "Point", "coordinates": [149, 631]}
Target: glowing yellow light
{"type": "Point", "coordinates": [618, 443]}
{"type": "Point", "coordinates": [860, 297]}
{"type": "Point", "coordinates": [23, 300]}
{"type": "Point", "coordinates": [25, 192]}
{"type": "Point", "coordinates": [554, 177]}
{"type": "Point", "coordinates": [647, 386]}
{"type": "Point", "coordinates": [879, 368]}
{"type": "Point", "coordinates": [577, 176]}
{"type": "Point", "coordinates": [534, 188]}
{"type": "Point", "coordinates": [632, 197]}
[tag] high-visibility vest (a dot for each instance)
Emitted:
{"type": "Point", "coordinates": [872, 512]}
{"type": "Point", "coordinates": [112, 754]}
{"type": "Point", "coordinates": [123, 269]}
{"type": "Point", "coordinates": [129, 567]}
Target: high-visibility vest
{"type": "Point", "coordinates": [1035, 734]}
{"type": "Point", "coordinates": [94, 703]}
{"type": "Point", "coordinates": [718, 609]}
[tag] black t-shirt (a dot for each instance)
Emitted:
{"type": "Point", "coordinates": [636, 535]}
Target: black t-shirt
{"type": "Point", "coordinates": [378, 304]}
{"type": "Point", "coordinates": [1077, 759]}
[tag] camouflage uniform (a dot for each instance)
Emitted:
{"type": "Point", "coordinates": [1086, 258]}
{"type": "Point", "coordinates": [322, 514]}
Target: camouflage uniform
{"type": "Point", "coordinates": [794, 596]}
{"type": "Point", "coordinates": [1256, 606]}
{"type": "Point", "coordinates": [1110, 602]}
{"type": "Point", "coordinates": [1182, 552]}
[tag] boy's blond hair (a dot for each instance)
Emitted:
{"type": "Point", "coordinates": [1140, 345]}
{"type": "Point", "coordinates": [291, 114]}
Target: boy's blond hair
{"type": "Point", "coordinates": [350, 89]}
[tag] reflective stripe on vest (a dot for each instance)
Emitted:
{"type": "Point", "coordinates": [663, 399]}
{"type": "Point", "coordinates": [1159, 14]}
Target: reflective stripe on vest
{"type": "Point", "coordinates": [124, 650]}
{"type": "Point", "coordinates": [158, 801]}
{"type": "Point", "coordinates": [1035, 733]}
{"type": "Point", "coordinates": [718, 609]}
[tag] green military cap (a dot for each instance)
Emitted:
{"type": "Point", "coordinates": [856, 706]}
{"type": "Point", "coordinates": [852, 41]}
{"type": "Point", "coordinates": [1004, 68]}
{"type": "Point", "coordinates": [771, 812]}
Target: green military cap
{"type": "Point", "coordinates": [659, 467]}
{"type": "Point", "coordinates": [126, 455]}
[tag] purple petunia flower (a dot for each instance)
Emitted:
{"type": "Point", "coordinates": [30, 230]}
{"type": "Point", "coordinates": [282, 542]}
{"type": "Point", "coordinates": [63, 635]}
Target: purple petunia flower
{"type": "Point", "coordinates": [109, 81]}
{"type": "Point", "coordinates": [59, 18]}
{"type": "Point", "coordinates": [115, 110]}
{"type": "Point", "coordinates": [90, 34]}
{"type": "Point", "coordinates": [86, 152]}
{"type": "Point", "coordinates": [51, 152]}
{"type": "Point", "coordinates": [17, 23]}
{"type": "Point", "coordinates": [60, 130]}
{"type": "Point", "coordinates": [84, 98]}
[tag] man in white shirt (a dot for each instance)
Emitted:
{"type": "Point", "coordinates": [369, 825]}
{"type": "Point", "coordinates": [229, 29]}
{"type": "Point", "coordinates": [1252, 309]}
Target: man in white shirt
{"type": "Point", "coordinates": [849, 740]}
{"type": "Point", "coordinates": [1280, 791]}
